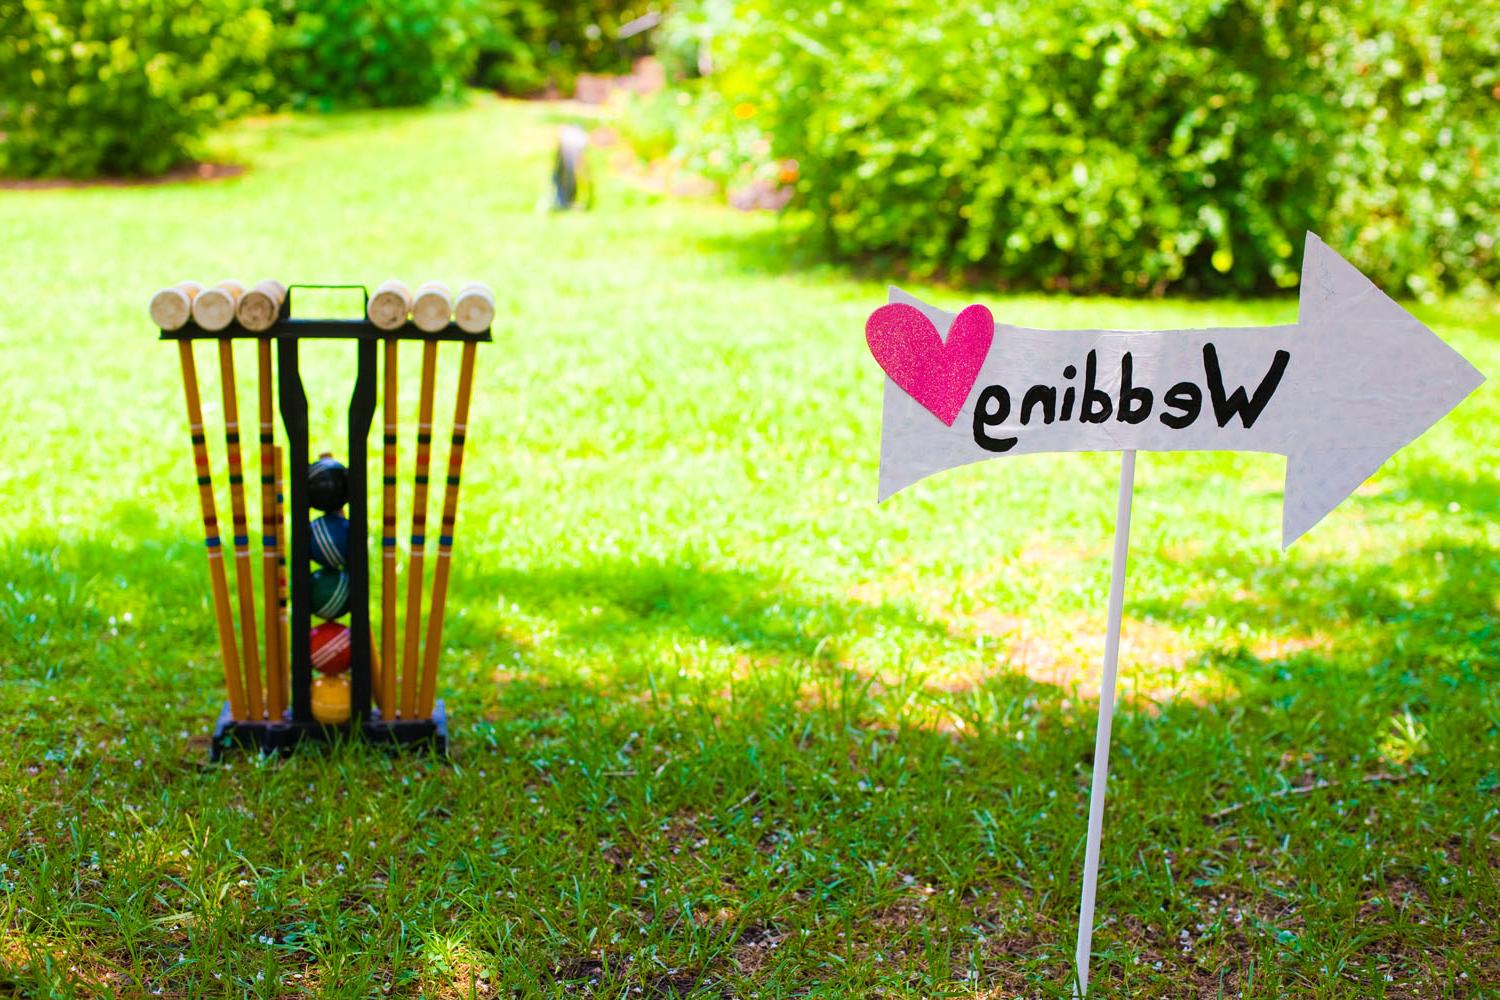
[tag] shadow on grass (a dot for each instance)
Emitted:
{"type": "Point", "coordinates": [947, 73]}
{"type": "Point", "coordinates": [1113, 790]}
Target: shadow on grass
{"type": "Point", "coordinates": [132, 588]}
{"type": "Point", "coordinates": [1440, 586]}
{"type": "Point", "coordinates": [758, 611]}
{"type": "Point", "coordinates": [1476, 499]}
{"type": "Point", "coordinates": [141, 601]}
{"type": "Point", "coordinates": [770, 843]}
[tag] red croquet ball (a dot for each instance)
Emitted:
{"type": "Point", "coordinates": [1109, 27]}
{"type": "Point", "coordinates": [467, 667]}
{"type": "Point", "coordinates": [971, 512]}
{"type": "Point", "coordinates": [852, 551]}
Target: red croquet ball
{"type": "Point", "coordinates": [330, 648]}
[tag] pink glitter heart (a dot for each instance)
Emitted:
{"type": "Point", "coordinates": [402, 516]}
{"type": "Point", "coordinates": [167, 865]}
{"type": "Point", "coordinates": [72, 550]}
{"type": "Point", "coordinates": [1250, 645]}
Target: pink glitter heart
{"type": "Point", "coordinates": [938, 374]}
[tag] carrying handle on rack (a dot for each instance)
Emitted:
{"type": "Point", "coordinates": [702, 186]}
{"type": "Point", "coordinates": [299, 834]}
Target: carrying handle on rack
{"type": "Point", "coordinates": [363, 291]}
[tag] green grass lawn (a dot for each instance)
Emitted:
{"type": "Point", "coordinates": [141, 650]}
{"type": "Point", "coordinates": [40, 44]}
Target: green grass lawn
{"type": "Point", "coordinates": [722, 726]}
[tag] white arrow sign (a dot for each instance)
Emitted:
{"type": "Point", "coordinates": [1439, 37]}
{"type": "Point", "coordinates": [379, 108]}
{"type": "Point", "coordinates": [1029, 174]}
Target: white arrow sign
{"type": "Point", "coordinates": [1338, 392]}
{"type": "Point", "coordinates": [1355, 379]}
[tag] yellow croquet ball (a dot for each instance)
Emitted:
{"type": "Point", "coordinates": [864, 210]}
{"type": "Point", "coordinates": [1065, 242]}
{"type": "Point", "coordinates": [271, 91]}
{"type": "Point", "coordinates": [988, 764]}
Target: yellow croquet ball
{"type": "Point", "coordinates": [330, 699]}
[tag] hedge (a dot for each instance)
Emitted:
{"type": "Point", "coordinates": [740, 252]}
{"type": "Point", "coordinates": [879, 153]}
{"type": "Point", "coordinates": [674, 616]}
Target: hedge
{"type": "Point", "coordinates": [126, 87]}
{"type": "Point", "coordinates": [528, 46]}
{"type": "Point", "coordinates": [1098, 146]}
{"type": "Point", "coordinates": [122, 87]}
{"type": "Point", "coordinates": [370, 53]}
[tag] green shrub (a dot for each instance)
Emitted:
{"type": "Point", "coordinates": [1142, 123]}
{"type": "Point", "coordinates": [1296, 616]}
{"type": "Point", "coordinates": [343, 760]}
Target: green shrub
{"type": "Point", "coordinates": [121, 87]}
{"type": "Point", "coordinates": [370, 53]}
{"type": "Point", "coordinates": [1093, 145]}
{"type": "Point", "coordinates": [690, 128]}
{"type": "Point", "coordinates": [511, 52]}
{"type": "Point", "coordinates": [525, 46]}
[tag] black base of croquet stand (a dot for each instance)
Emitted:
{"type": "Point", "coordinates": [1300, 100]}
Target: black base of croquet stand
{"type": "Point", "coordinates": [284, 736]}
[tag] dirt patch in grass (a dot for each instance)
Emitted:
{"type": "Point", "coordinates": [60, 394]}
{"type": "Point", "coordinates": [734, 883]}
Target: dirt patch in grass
{"type": "Point", "coordinates": [180, 174]}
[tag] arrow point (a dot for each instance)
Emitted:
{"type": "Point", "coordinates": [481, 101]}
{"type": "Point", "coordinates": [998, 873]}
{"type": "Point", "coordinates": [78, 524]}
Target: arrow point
{"type": "Point", "coordinates": [1318, 481]}
{"type": "Point", "coordinates": [1334, 288]}
{"type": "Point", "coordinates": [1378, 352]}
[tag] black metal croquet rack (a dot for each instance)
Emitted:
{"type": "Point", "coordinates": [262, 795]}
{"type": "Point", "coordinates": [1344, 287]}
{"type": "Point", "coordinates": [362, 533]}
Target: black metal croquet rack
{"type": "Point", "coordinates": [297, 724]}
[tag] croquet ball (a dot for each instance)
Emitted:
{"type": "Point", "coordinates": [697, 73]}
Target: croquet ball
{"type": "Point", "coordinates": [330, 648]}
{"type": "Point", "coordinates": [330, 541]}
{"type": "Point", "coordinates": [330, 699]}
{"type": "Point", "coordinates": [330, 593]}
{"type": "Point", "coordinates": [327, 484]}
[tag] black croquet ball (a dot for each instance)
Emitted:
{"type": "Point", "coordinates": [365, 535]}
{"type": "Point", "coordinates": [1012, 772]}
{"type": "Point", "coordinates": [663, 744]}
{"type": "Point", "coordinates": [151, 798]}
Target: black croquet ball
{"type": "Point", "coordinates": [327, 484]}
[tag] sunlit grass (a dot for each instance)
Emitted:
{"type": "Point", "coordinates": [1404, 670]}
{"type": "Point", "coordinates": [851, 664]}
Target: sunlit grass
{"type": "Point", "coordinates": [722, 726]}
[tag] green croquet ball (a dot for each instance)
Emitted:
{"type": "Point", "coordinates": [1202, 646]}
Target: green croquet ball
{"type": "Point", "coordinates": [330, 593]}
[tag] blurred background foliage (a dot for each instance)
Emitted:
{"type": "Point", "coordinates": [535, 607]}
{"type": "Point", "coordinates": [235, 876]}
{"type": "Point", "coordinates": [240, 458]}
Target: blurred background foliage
{"type": "Point", "coordinates": [532, 46]}
{"type": "Point", "coordinates": [90, 87]}
{"type": "Point", "coordinates": [367, 53]}
{"type": "Point", "coordinates": [1101, 146]}
{"type": "Point", "coordinates": [124, 87]}
{"type": "Point", "coordinates": [1087, 146]}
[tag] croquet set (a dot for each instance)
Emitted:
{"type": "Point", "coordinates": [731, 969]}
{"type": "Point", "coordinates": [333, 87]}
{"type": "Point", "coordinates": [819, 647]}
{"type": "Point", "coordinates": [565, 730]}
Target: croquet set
{"type": "Point", "coordinates": [287, 680]}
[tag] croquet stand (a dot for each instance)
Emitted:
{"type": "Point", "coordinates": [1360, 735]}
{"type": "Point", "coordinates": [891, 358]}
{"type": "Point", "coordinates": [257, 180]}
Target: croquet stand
{"type": "Point", "coordinates": [297, 724]}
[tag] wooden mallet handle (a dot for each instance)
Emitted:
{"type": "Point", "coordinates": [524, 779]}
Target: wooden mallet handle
{"type": "Point", "coordinates": [412, 635]}
{"type": "Point", "coordinates": [433, 648]}
{"type": "Point", "coordinates": [233, 682]}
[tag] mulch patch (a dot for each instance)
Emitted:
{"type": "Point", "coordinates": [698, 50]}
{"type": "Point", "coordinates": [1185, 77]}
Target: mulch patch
{"type": "Point", "coordinates": [183, 173]}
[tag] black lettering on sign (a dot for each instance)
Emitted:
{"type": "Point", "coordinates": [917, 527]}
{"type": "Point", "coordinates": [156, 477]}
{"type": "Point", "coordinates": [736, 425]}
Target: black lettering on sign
{"type": "Point", "coordinates": [1188, 398]}
{"type": "Point", "coordinates": [1046, 397]}
{"type": "Point", "coordinates": [1236, 403]}
{"type": "Point", "coordinates": [1068, 393]}
{"type": "Point", "coordinates": [1181, 405]}
{"type": "Point", "coordinates": [1135, 400]}
{"type": "Point", "coordinates": [991, 410]}
{"type": "Point", "coordinates": [1096, 405]}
